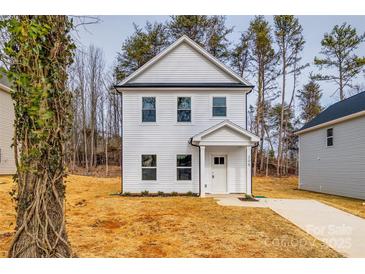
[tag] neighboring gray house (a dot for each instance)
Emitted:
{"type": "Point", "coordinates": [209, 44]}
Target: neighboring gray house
{"type": "Point", "coordinates": [185, 125]}
{"type": "Point", "coordinates": [7, 162]}
{"type": "Point", "coordinates": [332, 150]}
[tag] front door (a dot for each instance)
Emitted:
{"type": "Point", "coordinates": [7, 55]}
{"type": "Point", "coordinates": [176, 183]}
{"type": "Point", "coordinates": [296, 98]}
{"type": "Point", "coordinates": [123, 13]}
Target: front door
{"type": "Point", "coordinates": [219, 174]}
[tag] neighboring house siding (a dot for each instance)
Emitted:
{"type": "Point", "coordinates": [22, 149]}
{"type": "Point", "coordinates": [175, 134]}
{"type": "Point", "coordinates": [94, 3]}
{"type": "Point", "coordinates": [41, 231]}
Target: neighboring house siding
{"type": "Point", "coordinates": [7, 162]}
{"type": "Point", "coordinates": [166, 138]}
{"type": "Point", "coordinates": [339, 169]}
{"type": "Point", "coordinates": [183, 65]}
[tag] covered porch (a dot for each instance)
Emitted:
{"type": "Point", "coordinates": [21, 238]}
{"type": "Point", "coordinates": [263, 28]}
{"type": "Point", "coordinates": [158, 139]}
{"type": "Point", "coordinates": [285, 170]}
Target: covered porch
{"type": "Point", "coordinates": [225, 159]}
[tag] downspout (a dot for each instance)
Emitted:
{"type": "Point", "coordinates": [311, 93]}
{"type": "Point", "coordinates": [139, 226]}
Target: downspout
{"type": "Point", "coordinates": [246, 105]}
{"type": "Point", "coordinates": [191, 143]}
{"type": "Point", "coordinates": [121, 140]}
{"type": "Point", "coordinates": [121, 144]}
{"type": "Point", "coordinates": [255, 146]}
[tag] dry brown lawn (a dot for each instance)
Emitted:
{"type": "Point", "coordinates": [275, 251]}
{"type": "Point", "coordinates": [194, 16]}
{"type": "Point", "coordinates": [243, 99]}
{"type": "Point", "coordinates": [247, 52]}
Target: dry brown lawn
{"type": "Point", "coordinates": [103, 225]}
{"type": "Point", "coordinates": [273, 187]}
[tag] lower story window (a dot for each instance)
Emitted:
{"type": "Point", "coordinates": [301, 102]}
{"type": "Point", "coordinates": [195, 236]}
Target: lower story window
{"type": "Point", "coordinates": [149, 167]}
{"type": "Point", "coordinates": [183, 167]}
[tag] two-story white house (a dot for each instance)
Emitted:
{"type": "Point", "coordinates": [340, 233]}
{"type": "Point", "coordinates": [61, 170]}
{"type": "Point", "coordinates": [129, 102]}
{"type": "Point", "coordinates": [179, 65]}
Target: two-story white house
{"type": "Point", "coordinates": [185, 125]}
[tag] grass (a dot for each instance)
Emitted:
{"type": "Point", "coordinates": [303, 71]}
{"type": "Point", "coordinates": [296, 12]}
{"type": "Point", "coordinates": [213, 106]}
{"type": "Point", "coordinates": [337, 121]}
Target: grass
{"type": "Point", "coordinates": [104, 225]}
{"type": "Point", "coordinates": [273, 187]}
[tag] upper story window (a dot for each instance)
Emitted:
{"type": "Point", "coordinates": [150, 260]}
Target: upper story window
{"type": "Point", "coordinates": [329, 137]}
{"type": "Point", "coordinates": [184, 109]}
{"type": "Point", "coordinates": [149, 167]}
{"type": "Point", "coordinates": [148, 109]}
{"type": "Point", "coordinates": [219, 107]}
{"type": "Point", "coordinates": [183, 165]}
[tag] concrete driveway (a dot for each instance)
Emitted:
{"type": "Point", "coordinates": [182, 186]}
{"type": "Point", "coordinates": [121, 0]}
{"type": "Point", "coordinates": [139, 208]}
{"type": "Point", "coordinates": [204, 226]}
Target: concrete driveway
{"type": "Point", "coordinates": [340, 230]}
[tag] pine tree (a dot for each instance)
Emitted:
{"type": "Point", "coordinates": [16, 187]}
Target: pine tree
{"type": "Point", "coordinates": [309, 101]}
{"type": "Point", "coordinates": [338, 53]}
{"type": "Point", "coordinates": [263, 61]}
{"type": "Point", "coordinates": [139, 48]}
{"type": "Point", "coordinates": [208, 31]}
{"type": "Point", "coordinates": [289, 38]}
{"type": "Point", "coordinates": [240, 55]}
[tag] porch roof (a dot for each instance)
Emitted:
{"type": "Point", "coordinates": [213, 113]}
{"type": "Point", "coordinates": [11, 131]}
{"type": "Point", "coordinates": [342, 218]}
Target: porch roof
{"type": "Point", "coordinates": [225, 133]}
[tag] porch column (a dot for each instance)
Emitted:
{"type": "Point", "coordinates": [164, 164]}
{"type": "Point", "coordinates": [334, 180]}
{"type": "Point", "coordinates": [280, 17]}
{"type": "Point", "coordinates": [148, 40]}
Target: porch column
{"type": "Point", "coordinates": [202, 171]}
{"type": "Point", "coordinates": [248, 171]}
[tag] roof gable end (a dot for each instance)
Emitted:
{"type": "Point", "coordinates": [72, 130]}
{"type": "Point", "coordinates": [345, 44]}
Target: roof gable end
{"type": "Point", "coordinates": [225, 131]}
{"type": "Point", "coordinates": [184, 62]}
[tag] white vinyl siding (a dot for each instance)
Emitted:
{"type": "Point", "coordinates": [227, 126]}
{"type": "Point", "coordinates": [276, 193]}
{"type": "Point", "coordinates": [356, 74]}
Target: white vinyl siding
{"type": "Point", "coordinates": [184, 65]}
{"type": "Point", "coordinates": [167, 138]}
{"type": "Point", "coordinates": [7, 163]}
{"type": "Point", "coordinates": [339, 169]}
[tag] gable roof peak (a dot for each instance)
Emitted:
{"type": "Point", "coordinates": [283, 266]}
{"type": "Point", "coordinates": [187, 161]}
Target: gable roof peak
{"type": "Point", "coordinates": [185, 39]}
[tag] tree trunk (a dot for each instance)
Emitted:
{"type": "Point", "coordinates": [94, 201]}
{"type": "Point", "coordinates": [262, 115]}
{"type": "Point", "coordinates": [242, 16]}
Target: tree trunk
{"type": "Point", "coordinates": [267, 164]}
{"type": "Point", "coordinates": [281, 116]}
{"type": "Point", "coordinates": [41, 230]}
{"type": "Point", "coordinates": [41, 142]}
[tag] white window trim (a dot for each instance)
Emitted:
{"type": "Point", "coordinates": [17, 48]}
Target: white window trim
{"type": "Point", "coordinates": [141, 110]}
{"type": "Point", "coordinates": [191, 168]}
{"type": "Point", "coordinates": [327, 137]}
{"type": "Point", "coordinates": [211, 107]}
{"type": "Point", "coordinates": [191, 123]}
{"type": "Point", "coordinates": [142, 167]}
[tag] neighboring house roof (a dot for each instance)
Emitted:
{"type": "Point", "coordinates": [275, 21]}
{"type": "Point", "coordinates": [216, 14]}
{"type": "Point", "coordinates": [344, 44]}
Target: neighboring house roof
{"type": "Point", "coordinates": [240, 82]}
{"type": "Point", "coordinates": [226, 123]}
{"type": "Point", "coordinates": [4, 83]}
{"type": "Point", "coordinates": [349, 108]}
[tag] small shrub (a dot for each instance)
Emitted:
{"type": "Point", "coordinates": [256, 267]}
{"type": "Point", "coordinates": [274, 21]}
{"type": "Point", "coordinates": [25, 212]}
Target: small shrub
{"type": "Point", "coordinates": [174, 193]}
{"type": "Point", "coordinates": [190, 193]}
{"type": "Point", "coordinates": [126, 194]}
{"type": "Point", "coordinates": [160, 193]}
{"type": "Point", "coordinates": [145, 193]}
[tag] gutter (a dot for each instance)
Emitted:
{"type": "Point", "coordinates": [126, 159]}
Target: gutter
{"type": "Point", "coordinates": [191, 143]}
{"type": "Point", "coordinates": [255, 146]}
{"type": "Point", "coordinates": [5, 88]}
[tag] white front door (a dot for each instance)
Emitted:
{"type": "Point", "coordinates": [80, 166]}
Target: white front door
{"type": "Point", "coordinates": [219, 174]}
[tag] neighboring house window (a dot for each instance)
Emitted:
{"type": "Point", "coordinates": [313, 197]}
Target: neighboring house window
{"type": "Point", "coordinates": [183, 165]}
{"type": "Point", "coordinates": [219, 107]}
{"type": "Point", "coordinates": [184, 109]}
{"type": "Point", "coordinates": [330, 137]}
{"type": "Point", "coordinates": [149, 167]}
{"type": "Point", "coordinates": [148, 109]}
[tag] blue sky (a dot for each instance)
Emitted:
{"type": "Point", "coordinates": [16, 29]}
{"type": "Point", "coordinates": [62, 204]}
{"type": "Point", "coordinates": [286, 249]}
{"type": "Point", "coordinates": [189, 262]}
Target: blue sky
{"type": "Point", "coordinates": [110, 33]}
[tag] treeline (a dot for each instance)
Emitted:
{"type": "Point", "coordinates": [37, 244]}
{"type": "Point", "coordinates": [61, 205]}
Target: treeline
{"type": "Point", "coordinates": [268, 55]}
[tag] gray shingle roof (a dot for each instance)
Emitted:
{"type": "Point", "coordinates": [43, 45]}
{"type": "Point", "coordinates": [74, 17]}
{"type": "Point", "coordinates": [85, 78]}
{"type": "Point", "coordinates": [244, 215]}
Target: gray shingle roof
{"type": "Point", "coordinates": [4, 80]}
{"type": "Point", "coordinates": [338, 110]}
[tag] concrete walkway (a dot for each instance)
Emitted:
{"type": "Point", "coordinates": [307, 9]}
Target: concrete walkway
{"type": "Point", "coordinates": [340, 230]}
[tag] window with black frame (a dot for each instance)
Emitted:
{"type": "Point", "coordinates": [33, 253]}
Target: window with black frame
{"type": "Point", "coordinates": [330, 137]}
{"type": "Point", "coordinates": [183, 167]}
{"type": "Point", "coordinates": [149, 167]}
{"type": "Point", "coordinates": [219, 107]}
{"type": "Point", "coordinates": [148, 109]}
{"type": "Point", "coordinates": [184, 109]}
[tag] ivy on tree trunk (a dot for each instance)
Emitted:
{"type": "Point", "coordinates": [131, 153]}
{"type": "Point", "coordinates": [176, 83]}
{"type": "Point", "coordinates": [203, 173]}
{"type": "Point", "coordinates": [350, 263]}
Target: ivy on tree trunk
{"type": "Point", "coordinates": [39, 50]}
